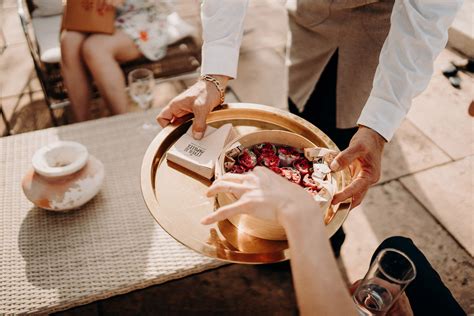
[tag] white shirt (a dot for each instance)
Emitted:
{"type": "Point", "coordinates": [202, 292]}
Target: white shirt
{"type": "Point", "coordinates": [418, 33]}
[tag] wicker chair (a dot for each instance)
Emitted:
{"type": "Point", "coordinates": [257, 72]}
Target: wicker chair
{"type": "Point", "coordinates": [182, 60]}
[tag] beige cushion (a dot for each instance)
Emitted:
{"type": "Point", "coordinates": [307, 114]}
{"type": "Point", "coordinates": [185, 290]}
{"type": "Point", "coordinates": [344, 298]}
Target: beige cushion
{"type": "Point", "coordinates": [47, 31]}
{"type": "Point", "coordinates": [47, 7]}
{"type": "Point", "coordinates": [178, 28]}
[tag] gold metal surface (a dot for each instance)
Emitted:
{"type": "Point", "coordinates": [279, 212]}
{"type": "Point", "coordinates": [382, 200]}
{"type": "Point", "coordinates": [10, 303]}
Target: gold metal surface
{"type": "Point", "coordinates": [176, 197]}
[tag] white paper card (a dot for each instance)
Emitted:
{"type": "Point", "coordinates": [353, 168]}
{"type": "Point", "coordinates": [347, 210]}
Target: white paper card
{"type": "Point", "coordinates": [200, 156]}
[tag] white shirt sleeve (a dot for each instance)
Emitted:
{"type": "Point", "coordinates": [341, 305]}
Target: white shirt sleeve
{"type": "Point", "coordinates": [418, 33]}
{"type": "Point", "coordinates": [223, 26]}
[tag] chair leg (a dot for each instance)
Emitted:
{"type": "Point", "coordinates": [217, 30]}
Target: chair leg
{"type": "Point", "coordinates": [54, 120]}
{"type": "Point", "coordinates": [5, 121]}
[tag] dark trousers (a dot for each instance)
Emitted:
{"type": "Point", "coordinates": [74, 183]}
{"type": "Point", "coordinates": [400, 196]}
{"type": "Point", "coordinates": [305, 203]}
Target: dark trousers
{"type": "Point", "coordinates": [320, 110]}
{"type": "Point", "coordinates": [427, 293]}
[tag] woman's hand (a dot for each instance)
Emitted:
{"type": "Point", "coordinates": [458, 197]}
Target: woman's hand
{"type": "Point", "coordinates": [200, 99]}
{"type": "Point", "coordinates": [264, 194]}
{"type": "Point", "coordinates": [320, 289]}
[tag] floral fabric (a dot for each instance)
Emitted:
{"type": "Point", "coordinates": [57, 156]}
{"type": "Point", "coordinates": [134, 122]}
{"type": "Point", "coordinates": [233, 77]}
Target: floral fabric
{"type": "Point", "coordinates": [145, 22]}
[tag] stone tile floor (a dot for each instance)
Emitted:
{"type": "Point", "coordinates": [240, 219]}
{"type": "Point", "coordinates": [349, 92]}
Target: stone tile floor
{"type": "Point", "coordinates": [426, 191]}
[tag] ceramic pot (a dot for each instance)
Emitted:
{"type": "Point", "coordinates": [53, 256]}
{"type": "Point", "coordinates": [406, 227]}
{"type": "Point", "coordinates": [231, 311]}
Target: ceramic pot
{"type": "Point", "coordinates": [64, 177]}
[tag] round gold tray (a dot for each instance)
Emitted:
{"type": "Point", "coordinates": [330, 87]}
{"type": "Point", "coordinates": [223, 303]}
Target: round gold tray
{"type": "Point", "coordinates": [176, 198]}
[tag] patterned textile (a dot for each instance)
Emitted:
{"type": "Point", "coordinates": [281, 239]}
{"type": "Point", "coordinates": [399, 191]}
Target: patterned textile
{"type": "Point", "coordinates": [145, 22]}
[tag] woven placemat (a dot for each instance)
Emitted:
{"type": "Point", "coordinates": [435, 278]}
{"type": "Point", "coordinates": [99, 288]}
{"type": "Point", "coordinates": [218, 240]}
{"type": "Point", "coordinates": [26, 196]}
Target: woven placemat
{"type": "Point", "coordinates": [54, 261]}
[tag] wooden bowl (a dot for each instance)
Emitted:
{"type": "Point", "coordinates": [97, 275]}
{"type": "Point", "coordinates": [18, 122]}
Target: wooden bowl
{"type": "Point", "coordinates": [252, 225]}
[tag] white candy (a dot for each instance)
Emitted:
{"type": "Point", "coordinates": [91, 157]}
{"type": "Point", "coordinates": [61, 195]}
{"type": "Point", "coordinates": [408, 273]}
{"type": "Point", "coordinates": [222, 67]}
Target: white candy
{"type": "Point", "coordinates": [314, 153]}
{"type": "Point", "coordinates": [327, 191]}
{"type": "Point", "coordinates": [320, 170]}
{"type": "Point", "coordinates": [323, 196]}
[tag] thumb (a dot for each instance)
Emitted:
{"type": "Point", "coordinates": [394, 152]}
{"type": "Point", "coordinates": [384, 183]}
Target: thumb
{"type": "Point", "coordinates": [199, 124]}
{"type": "Point", "coordinates": [345, 158]}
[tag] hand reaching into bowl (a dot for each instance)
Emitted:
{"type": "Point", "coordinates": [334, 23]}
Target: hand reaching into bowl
{"type": "Point", "coordinates": [319, 286]}
{"type": "Point", "coordinates": [264, 194]}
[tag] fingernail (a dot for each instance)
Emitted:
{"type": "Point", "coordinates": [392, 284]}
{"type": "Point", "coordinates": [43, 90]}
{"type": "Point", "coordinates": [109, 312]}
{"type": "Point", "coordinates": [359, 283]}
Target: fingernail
{"type": "Point", "coordinates": [197, 135]}
{"type": "Point", "coordinates": [334, 165]}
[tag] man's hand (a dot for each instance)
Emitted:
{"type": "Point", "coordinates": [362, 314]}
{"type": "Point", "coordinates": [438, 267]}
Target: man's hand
{"type": "Point", "coordinates": [364, 156]}
{"type": "Point", "coordinates": [200, 99]}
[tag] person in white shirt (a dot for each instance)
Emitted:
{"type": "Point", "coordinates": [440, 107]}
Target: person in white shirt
{"type": "Point", "coordinates": [354, 68]}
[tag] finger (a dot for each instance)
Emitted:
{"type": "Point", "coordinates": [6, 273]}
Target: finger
{"type": "Point", "coordinates": [199, 124]}
{"type": "Point", "coordinates": [226, 212]}
{"type": "Point", "coordinates": [265, 173]}
{"type": "Point", "coordinates": [345, 157]}
{"type": "Point", "coordinates": [165, 116]}
{"type": "Point", "coordinates": [354, 169]}
{"type": "Point", "coordinates": [357, 186]}
{"type": "Point", "coordinates": [357, 199]}
{"type": "Point", "coordinates": [233, 177]}
{"type": "Point", "coordinates": [261, 170]}
{"type": "Point", "coordinates": [227, 187]}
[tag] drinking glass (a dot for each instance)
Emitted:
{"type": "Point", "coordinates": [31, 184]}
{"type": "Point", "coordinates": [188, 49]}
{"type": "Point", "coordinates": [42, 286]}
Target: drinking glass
{"type": "Point", "coordinates": [387, 278]}
{"type": "Point", "coordinates": [141, 85]}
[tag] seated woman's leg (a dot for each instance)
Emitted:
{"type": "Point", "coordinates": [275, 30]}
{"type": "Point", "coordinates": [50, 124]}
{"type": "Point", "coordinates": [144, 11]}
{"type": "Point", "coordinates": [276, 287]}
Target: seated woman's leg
{"type": "Point", "coordinates": [74, 73]}
{"type": "Point", "coordinates": [427, 293]}
{"type": "Point", "coordinates": [103, 55]}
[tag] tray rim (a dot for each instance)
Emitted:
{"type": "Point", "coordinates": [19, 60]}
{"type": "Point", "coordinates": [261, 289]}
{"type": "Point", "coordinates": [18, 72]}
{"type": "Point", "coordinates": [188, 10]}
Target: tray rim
{"type": "Point", "coordinates": [148, 172]}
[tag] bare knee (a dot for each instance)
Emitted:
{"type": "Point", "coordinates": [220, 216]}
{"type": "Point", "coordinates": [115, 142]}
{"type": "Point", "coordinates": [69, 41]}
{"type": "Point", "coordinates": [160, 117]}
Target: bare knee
{"type": "Point", "coordinates": [95, 49]}
{"type": "Point", "coordinates": [71, 43]}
